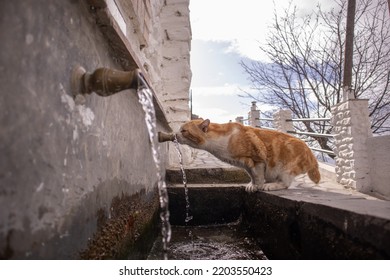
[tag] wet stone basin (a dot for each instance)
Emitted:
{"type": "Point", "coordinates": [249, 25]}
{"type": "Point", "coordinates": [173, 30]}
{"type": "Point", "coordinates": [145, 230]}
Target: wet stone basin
{"type": "Point", "coordinates": [214, 232]}
{"type": "Point", "coordinates": [216, 242]}
{"type": "Point", "coordinates": [301, 223]}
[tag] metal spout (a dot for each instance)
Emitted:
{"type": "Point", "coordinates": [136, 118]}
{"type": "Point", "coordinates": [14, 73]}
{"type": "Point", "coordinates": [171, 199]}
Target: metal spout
{"type": "Point", "coordinates": [103, 81]}
{"type": "Point", "coordinates": [164, 137]}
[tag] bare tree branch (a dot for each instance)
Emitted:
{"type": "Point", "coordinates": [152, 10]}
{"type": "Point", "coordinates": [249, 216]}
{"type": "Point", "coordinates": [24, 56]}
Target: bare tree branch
{"type": "Point", "coordinates": [304, 70]}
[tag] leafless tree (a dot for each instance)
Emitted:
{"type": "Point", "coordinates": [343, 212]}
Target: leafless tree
{"type": "Point", "coordinates": [305, 68]}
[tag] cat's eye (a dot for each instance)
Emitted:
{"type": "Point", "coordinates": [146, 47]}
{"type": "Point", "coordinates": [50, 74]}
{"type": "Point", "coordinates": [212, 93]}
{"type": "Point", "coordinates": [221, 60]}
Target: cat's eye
{"type": "Point", "coordinates": [183, 130]}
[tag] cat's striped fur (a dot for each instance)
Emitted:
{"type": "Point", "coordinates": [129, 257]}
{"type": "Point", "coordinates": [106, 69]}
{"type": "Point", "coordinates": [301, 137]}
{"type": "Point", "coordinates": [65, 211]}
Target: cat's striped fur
{"type": "Point", "coordinates": [272, 159]}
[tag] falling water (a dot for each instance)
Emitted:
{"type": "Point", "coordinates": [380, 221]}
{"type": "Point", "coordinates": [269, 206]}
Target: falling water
{"type": "Point", "coordinates": [187, 198]}
{"type": "Point", "coordinates": [188, 217]}
{"type": "Point", "coordinates": [146, 99]}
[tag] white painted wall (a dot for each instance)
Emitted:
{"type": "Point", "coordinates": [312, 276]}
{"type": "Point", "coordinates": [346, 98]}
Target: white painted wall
{"type": "Point", "coordinates": [379, 151]}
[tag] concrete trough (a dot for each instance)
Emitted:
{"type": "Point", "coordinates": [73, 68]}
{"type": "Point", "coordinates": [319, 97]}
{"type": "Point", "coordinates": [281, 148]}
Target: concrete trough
{"type": "Point", "coordinates": [303, 222]}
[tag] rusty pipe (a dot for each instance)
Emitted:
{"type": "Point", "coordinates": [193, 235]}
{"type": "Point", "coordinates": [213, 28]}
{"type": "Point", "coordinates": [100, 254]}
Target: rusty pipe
{"type": "Point", "coordinates": [164, 137]}
{"type": "Point", "coordinates": [103, 81]}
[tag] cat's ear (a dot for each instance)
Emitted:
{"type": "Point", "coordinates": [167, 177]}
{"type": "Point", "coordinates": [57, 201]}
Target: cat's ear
{"type": "Point", "coordinates": [204, 126]}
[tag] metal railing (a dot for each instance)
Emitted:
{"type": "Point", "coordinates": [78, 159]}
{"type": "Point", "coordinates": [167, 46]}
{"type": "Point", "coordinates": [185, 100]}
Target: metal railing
{"type": "Point", "coordinates": [308, 120]}
{"type": "Point", "coordinates": [310, 134]}
{"type": "Point", "coordinates": [266, 119]}
{"type": "Point", "coordinates": [313, 134]}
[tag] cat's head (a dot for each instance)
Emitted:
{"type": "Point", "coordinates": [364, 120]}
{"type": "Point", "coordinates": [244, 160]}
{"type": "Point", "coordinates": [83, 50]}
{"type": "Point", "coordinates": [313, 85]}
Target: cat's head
{"type": "Point", "coordinates": [193, 133]}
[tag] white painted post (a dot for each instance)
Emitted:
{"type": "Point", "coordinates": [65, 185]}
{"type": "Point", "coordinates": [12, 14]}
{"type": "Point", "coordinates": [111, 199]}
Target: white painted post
{"type": "Point", "coordinates": [280, 120]}
{"type": "Point", "coordinates": [254, 115]}
{"type": "Point", "coordinates": [240, 120]}
{"type": "Point", "coordinates": [351, 127]}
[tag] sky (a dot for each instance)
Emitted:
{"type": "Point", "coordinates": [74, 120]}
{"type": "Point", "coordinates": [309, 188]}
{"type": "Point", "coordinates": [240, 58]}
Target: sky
{"type": "Point", "coordinates": [224, 33]}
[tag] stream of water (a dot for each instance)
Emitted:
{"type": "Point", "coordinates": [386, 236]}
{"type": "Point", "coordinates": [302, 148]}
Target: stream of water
{"type": "Point", "coordinates": [145, 97]}
{"type": "Point", "coordinates": [183, 172]}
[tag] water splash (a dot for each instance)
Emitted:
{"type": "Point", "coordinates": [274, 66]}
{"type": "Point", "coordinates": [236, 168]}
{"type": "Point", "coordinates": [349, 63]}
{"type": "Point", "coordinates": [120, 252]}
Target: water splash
{"type": "Point", "coordinates": [218, 242]}
{"type": "Point", "coordinates": [183, 172]}
{"type": "Point", "coordinates": [186, 195]}
{"type": "Point", "coordinates": [145, 97]}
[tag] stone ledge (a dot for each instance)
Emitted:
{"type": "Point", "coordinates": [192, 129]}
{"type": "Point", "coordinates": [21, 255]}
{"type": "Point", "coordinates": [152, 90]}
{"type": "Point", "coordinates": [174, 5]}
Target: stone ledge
{"type": "Point", "coordinates": [309, 223]}
{"type": "Point", "coordinates": [327, 172]}
{"type": "Point", "coordinates": [223, 175]}
{"type": "Point", "coordinates": [208, 176]}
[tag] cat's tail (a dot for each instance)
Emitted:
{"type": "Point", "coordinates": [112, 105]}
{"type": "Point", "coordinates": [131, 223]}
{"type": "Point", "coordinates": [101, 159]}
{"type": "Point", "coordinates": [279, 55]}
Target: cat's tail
{"type": "Point", "coordinates": [313, 171]}
{"type": "Point", "coordinates": [314, 174]}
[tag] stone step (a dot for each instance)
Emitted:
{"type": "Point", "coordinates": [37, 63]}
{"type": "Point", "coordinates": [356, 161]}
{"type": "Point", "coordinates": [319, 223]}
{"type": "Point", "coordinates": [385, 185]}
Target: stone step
{"type": "Point", "coordinates": [208, 176]}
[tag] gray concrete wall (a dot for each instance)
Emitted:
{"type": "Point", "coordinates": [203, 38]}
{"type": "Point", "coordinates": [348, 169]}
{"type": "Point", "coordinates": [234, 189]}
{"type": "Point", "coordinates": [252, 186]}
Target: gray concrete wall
{"type": "Point", "coordinates": [62, 164]}
{"type": "Point", "coordinates": [379, 150]}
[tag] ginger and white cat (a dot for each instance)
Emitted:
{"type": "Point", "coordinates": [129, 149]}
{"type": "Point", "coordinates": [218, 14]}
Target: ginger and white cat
{"type": "Point", "coordinates": [272, 159]}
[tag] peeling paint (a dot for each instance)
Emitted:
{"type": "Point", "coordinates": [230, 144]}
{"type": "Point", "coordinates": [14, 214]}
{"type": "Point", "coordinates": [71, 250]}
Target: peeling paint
{"type": "Point", "coordinates": [75, 134]}
{"type": "Point", "coordinates": [87, 116]}
{"type": "Point", "coordinates": [65, 234]}
{"type": "Point", "coordinates": [67, 99]}
{"type": "Point", "coordinates": [29, 39]}
{"type": "Point", "coordinates": [40, 187]}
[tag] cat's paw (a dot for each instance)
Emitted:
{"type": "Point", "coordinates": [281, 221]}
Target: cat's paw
{"type": "Point", "coordinates": [274, 186]}
{"type": "Point", "coordinates": [251, 187]}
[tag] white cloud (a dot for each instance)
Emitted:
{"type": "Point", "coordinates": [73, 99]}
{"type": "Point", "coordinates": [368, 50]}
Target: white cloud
{"type": "Point", "coordinates": [244, 23]}
{"type": "Point", "coordinates": [223, 90]}
{"type": "Point", "coordinates": [220, 103]}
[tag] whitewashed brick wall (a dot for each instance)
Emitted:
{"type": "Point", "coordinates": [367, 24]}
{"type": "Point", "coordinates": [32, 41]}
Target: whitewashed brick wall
{"type": "Point", "coordinates": [351, 127]}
